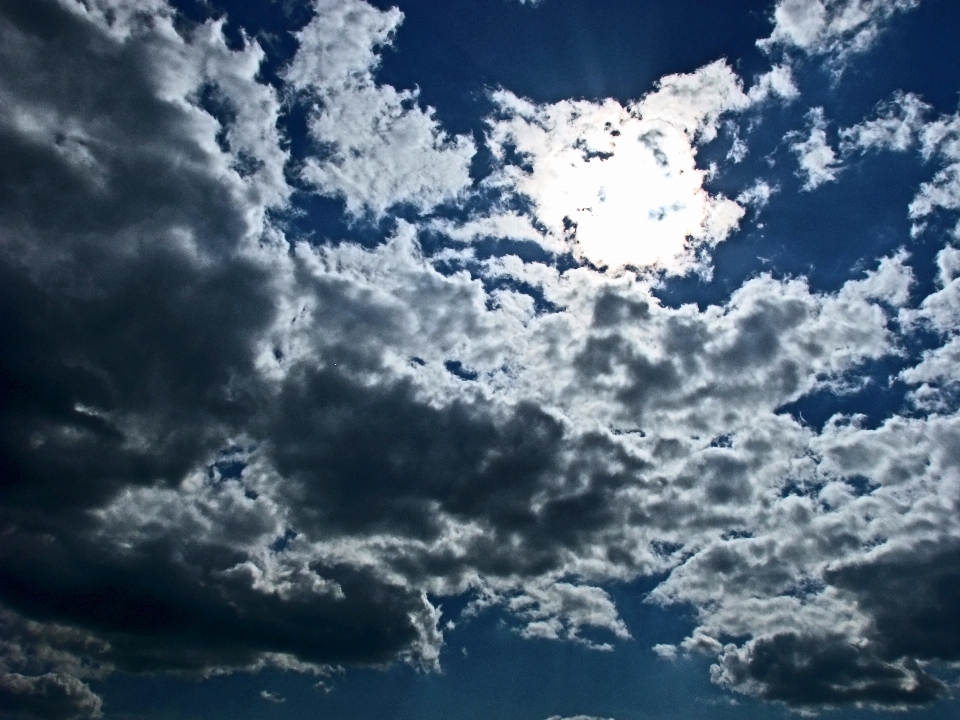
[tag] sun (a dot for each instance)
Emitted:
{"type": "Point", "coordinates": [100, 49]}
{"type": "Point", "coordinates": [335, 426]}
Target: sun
{"type": "Point", "coordinates": [624, 191]}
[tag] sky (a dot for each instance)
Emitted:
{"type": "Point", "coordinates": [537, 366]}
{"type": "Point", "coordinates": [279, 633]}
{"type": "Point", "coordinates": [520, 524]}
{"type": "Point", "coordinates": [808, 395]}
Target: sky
{"type": "Point", "coordinates": [479, 359]}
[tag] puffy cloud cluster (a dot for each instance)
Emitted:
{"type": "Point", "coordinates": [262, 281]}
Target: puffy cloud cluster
{"type": "Point", "coordinates": [379, 148]}
{"type": "Point", "coordinates": [905, 123]}
{"type": "Point", "coordinates": [42, 668]}
{"type": "Point", "coordinates": [223, 446]}
{"type": "Point", "coordinates": [839, 28]}
{"type": "Point", "coordinates": [621, 184]}
{"type": "Point", "coordinates": [818, 161]}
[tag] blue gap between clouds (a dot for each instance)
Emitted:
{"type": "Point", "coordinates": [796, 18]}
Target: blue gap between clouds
{"type": "Point", "coordinates": [455, 51]}
{"type": "Point", "coordinates": [834, 232]}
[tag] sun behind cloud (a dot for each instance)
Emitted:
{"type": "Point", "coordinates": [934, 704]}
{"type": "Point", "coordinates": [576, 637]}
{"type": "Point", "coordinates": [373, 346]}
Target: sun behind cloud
{"type": "Point", "coordinates": [621, 184]}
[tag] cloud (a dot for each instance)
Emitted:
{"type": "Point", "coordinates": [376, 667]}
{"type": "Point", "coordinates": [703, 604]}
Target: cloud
{"type": "Point", "coordinates": [941, 140]}
{"type": "Point", "coordinates": [228, 447]}
{"type": "Point", "coordinates": [155, 219]}
{"type": "Point", "coordinates": [379, 147]}
{"type": "Point", "coordinates": [812, 645]}
{"type": "Point", "coordinates": [935, 377]}
{"type": "Point", "coordinates": [47, 697]}
{"type": "Point", "coordinates": [136, 292]}
{"type": "Point", "coordinates": [620, 184]}
{"type": "Point", "coordinates": [564, 608]}
{"type": "Point", "coordinates": [272, 697]}
{"type": "Point", "coordinates": [758, 194]}
{"type": "Point", "coordinates": [822, 670]}
{"type": "Point", "coordinates": [903, 123]}
{"type": "Point", "coordinates": [778, 82]}
{"type": "Point", "coordinates": [41, 666]}
{"type": "Point", "coordinates": [895, 128]}
{"type": "Point", "coordinates": [818, 161]}
{"type": "Point", "coordinates": [840, 28]}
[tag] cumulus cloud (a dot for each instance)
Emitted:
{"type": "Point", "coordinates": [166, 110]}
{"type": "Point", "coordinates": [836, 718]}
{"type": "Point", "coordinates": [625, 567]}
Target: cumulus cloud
{"type": "Point", "coordinates": [818, 161]}
{"type": "Point", "coordinates": [164, 218]}
{"type": "Point", "coordinates": [47, 696]}
{"type": "Point", "coordinates": [905, 123]}
{"type": "Point", "coordinates": [620, 184]}
{"type": "Point", "coordinates": [42, 668]}
{"type": "Point", "coordinates": [896, 126]}
{"type": "Point", "coordinates": [380, 147]}
{"type": "Point", "coordinates": [941, 140]}
{"type": "Point", "coordinates": [758, 194]}
{"type": "Point", "coordinates": [225, 446]}
{"type": "Point", "coordinates": [839, 28]}
{"type": "Point", "coordinates": [778, 82]}
{"type": "Point", "coordinates": [561, 609]}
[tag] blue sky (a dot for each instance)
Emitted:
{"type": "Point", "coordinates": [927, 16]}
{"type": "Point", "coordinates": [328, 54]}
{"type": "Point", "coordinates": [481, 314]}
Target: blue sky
{"type": "Point", "coordinates": [479, 359]}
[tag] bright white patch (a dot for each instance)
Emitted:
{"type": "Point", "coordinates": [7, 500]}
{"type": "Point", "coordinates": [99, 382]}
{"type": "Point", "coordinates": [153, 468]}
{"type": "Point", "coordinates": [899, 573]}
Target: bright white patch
{"type": "Point", "coordinates": [778, 82]}
{"type": "Point", "coordinates": [621, 184]}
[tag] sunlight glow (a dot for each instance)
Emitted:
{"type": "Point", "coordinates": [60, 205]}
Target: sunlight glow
{"type": "Point", "coordinates": [625, 190]}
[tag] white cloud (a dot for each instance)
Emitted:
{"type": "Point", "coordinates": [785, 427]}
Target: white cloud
{"type": "Point", "coordinates": [939, 368]}
{"type": "Point", "coordinates": [904, 123]}
{"type": "Point", "coordinates": [509, 225]}
{"type": "Point", "coordinates": [382, 147]}
{"type": "Point", "coordinates": [775, 83]}
{"type": "Point", "coordinates": [758, 194]}
{"type": "Point", "coordinates": [272, 697]}
{"type": "Point", "coordinates": [895, 128]}
{"type": "Point", "coordinates": [563, 610]}
{"type": "Point", "coordinates": [941, 140]}
{"type": "Point", "coordinates": [840, 28]}
{"type": "Point", "coordinates": [818, 161]}
{"type": "Point", "coordinates": [941, 309]}
{"type": "Point", "coordinates": [624, 177]}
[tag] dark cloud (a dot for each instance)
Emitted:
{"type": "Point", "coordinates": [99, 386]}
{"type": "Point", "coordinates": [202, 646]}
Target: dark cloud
{"type": "Point", "coordinates": [330, 434]}
{"type": "Point", "coordinates": [127, 359]}
{"type": "Point", "coordinates": [47, 697]}
{"type": "Point", "coordinates": [162, 347]}
{"type": "Point", "coordinates": [41, 666]}
{"type": "Point", "coordinates": [606, 355]}
{"type": "Point", "coordinates": [912, 595]}
{"type": "Point", "coordinates": [816, 671]}
{"type": "Point", "coordinates": [107, 310]}
{"type": "Point", "coordinates": [376, 460]}
{"type": "Point", "coordinates": [98, 152]}
{"type": "Point", "coordinates": [128, 339]}
{"type": "Point", "coordinates": [163, 612]}
{"type": "Point", "coordinates": [612, 310]}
